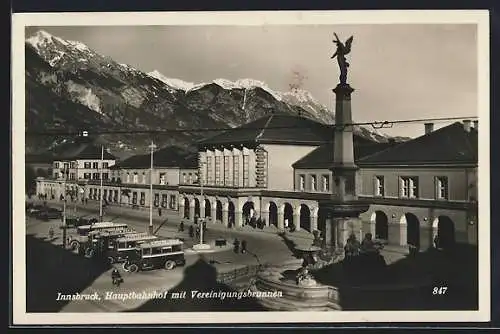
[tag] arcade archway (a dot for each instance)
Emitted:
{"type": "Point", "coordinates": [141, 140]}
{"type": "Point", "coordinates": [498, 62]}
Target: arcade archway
{"type": "Point", "coordinates": [288, 215]}
{"type": "Point", "coordinates": [273, 214]}
{"type": "Point", "coordinates": [230, 213]}
{"type": "Point", "coordinates": [218, 211]}
{"type": "Point", "coordinates": [305, 217]}
{"type": "Point", "coordinates": [412, 230]}
{"type": "Point", "coordinates": [186, 208]}
{"type": "Point", "coordinates": [446, 232]}
{"type": "Point", "coordinates": [248, 212]}
{"type": "Point", "coordinates": [381, 225]}
{"type": "Point", "coordinates": [208, 208]}
{"type": "Point", "coordinates": [196, 207]}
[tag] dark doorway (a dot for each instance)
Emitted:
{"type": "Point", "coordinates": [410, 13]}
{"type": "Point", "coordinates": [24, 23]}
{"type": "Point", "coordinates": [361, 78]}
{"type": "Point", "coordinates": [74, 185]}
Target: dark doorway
{"type": "Point", "coordinates": [288, 214]}
{"type": "Point", "coordinates": [273, 214]}
{"type": "Point", "coordinates": [208, 208]}
{"type": "Point", "coordinates": [248, 211]}
{"type": "Point", "coordinates": [381, 225]}
{"type": "Point", "coordinates": [186, 208]}
{"type": "Point", "coordinates": [218, 211]}
{"type": "Point", "coordinates": [305, 217]}
{"type": "Point", "coordinates": [412, 230]}
{"type": "Point", "coordinates": [196, 207]}
{"type": "Point", "coordinates": [446, 232]}
{"type": "Point", "coordinates": [230, 214]}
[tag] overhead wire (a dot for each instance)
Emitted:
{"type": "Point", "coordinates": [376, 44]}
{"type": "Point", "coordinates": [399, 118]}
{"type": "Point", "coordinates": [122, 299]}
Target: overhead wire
{"type": "Point", "coordinates": [374, 124]}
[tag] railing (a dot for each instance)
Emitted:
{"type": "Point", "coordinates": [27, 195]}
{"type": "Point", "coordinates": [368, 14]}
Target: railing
{"type": "Point", "coordinates": [237, 273]}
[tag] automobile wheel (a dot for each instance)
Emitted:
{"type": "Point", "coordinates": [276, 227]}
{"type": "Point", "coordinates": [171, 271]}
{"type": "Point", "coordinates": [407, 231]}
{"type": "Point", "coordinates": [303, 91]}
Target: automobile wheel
{"type": "Point", "coordinates": [111, 260]}
{"type": "Point", "coordinates": [133, 268]}
{"type": "Point", "coordinates": [89, 253]}
{"type": "Point", "coordinates": [169, 265]}
{"type": "Point", "coordinates": [74, 245]}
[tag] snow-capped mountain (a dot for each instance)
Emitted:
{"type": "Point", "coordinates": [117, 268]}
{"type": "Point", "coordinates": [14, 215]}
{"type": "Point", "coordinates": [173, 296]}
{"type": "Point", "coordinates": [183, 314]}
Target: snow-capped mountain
{"type": "Point", "coordinates": [296, 97]}
{"type": "Point", "coordinates": [70, 86]}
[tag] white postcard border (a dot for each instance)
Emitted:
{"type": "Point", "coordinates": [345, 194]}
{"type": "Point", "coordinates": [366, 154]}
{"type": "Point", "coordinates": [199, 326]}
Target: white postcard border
{"type": "Point", "coordinates": [20, 21]}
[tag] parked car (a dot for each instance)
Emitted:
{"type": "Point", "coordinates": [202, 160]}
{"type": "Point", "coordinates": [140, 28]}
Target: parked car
{"type": "Point", "coordinates": [33, 209]}
{"type": "Point", "coordinates": [79, 221]}
{"type": "Point", "coordinates": [156, 254]}
{"type": "Point", "coordinates": [49, 213]}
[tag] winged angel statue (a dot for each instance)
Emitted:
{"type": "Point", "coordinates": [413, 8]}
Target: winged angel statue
{"type": "Point", "coordinates": [340, 53]}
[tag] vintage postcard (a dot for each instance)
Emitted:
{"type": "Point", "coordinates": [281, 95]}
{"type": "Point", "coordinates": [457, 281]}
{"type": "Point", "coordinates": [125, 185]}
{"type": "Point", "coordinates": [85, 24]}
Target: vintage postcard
{"type": "Point", "coordinates": [251, 167]}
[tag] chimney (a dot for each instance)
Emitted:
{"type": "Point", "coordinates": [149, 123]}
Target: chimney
{"type": "Point", "coordinates": [467, 124]}
{"type": "Point", "coordinates": [429, 127]}
{"type": "Point", "coordinates": [476, 125]}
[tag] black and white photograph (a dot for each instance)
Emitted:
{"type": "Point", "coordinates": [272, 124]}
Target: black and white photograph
{"type": "Point", "coordinates": [251, 167]}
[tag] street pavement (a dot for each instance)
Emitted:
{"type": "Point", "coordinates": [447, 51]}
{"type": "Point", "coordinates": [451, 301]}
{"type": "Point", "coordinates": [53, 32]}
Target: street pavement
{"type": "Point", "coordinates": [263, 248]}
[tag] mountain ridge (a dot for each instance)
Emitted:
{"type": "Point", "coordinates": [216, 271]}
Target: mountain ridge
{"type": "Point", "coordinates": [70, 86]}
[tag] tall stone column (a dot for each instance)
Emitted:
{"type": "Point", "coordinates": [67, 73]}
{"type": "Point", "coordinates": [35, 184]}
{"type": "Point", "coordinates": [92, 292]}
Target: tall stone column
{"type": "Point", "coordinates": [343, 208]}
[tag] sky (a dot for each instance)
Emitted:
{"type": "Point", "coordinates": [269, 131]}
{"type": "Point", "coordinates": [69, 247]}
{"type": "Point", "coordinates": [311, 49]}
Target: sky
{"type": "Point", "coordinates": [398, 71]}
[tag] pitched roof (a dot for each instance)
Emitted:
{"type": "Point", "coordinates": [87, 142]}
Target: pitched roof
{"type": "Point", "coordinates": [170, 156]}
{"type": "Point", "coordinates": [84, 151]}
{"type": "Point", "coordinates": [323, 156]}
{"type": "Point", "coordinates": [274, 129]}
{"type": "Point", "coordinates": [38, 158]}
{"type": "Point", "coordinates": [450, 145]}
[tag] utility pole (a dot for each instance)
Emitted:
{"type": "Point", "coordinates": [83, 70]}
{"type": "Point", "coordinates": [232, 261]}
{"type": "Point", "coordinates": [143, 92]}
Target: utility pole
{"type": "Point", "coordinates": [100, 178]}
{"type": "Point", "coordinates": [152, 147]}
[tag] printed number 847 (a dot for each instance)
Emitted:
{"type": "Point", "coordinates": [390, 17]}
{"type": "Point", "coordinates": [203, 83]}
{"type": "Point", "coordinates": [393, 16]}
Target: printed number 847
{"type": "Point", "coordinates": [439, 290]}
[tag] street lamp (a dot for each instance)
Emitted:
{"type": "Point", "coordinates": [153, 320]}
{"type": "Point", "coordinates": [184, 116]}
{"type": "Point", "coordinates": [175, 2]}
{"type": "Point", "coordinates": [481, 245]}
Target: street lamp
{"type": "Point", "coordinates": [152, 147]}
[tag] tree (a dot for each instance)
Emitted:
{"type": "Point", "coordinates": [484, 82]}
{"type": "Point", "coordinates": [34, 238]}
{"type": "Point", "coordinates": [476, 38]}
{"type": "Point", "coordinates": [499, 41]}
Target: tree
{"type": "Point", "coordinates": [30, 180]}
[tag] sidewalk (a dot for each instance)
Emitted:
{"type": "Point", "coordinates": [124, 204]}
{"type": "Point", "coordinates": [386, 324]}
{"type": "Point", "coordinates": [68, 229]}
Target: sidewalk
{"type": "Point", "coordinates": [174, 219]}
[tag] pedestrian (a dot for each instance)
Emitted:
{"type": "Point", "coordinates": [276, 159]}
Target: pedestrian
{"type": "Point", "coordinates": [436, 241]}
{"type": "Point", "coordinates": [191, 231]}
{"type": "Point", "coordinates": [197, 232]}
{"type": "Point", "coordinates": [51, 233]}
{"type": "Point", "coordinates": [243, 246]}
{"type": "Point", "coordinates": [236, 245]}
{"type": "Point", "coordinates": [181, 227]}
{"type": "Point", "coordinates": [116, 278]}
{"type": "Point", "coordinates": [159, 212]}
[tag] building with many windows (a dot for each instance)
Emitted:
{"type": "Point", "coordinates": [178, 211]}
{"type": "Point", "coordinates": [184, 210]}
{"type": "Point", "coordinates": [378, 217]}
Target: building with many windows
{"type": "Point", "coordinates": [130, 179]}
{"type": "Point", "coordinates": [278, 168]}
{"type": "Point", "coordinates": [416, 189]}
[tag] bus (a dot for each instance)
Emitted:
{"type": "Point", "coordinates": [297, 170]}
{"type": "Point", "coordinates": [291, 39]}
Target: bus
{"type": "Point", "coordinates": [155, 254]}
{"type": "Point", "coordinates": [83, 231]}
{"type": "Point", "coordinates": [125, 245]}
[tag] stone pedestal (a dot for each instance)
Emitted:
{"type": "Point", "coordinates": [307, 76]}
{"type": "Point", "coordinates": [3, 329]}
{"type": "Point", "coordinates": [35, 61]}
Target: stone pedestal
{"type": "Point", "coordinates": [342, 220]}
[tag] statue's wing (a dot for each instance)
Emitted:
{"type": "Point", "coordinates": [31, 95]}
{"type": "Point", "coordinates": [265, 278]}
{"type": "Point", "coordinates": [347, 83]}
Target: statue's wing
{"type": "Point", "coordinates": [348, 44]}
